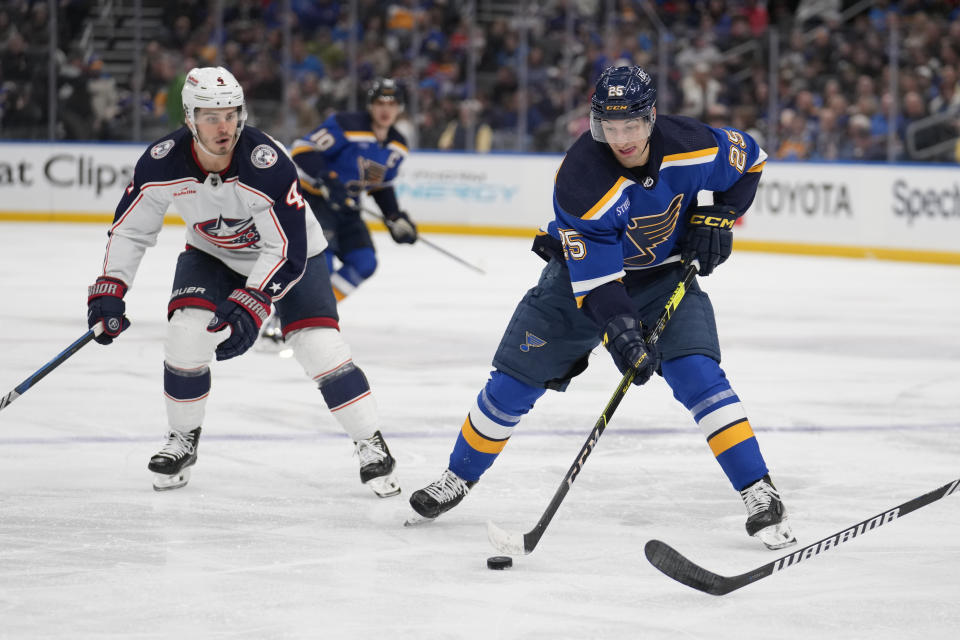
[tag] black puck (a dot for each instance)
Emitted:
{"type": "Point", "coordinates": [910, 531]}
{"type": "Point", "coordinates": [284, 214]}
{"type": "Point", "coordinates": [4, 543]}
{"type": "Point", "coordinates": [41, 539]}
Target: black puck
{"type": "Point", "coordinates": [499, 562]}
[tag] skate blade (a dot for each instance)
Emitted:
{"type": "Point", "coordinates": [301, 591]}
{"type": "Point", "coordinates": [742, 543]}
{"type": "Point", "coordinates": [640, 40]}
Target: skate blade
{"type": "Point", "coordinates": [778, 536]}
{"type": "Point", "coordinates": [163, 482]}
{"type": "Point", "coordinates": [415, 520]}
{"type": "Point", "coordinates": [384, 486]}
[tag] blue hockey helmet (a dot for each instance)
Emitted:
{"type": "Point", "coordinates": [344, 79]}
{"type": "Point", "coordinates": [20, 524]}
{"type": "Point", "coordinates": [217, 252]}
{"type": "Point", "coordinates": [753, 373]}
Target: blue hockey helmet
{"type": "Point", "coordinates": [623, 93]}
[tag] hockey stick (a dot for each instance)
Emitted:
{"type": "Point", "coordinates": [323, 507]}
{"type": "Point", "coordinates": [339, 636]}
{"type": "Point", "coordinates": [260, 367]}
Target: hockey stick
{"type": "Point", "coordinates": [517, 543]}
{"type": "Point", "coordinates": [38, 375]}
{"type": "Point", "coordinates": [676, 566]}
{"type": "Point", "coordinates": [433, 246]}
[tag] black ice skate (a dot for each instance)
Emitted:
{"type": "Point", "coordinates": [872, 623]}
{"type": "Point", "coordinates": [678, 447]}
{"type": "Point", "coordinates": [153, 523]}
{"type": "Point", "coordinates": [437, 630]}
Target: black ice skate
{"type": "Point", "coordinates": [171, 465]}
{"type": "Point", "coordinates": [766, 515]}
{"type": "Point", "coordinates": [438, 497]}
{"type": "Point", "coordinates": [377, 466]}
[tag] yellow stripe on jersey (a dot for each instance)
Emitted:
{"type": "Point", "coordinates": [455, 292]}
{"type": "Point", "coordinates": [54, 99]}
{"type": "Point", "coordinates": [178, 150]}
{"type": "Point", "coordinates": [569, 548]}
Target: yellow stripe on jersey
{"type": "Point", "coordinates": [360, 136]}
{"type": "Point", "coordinates": [302, 148]}
{"type": "Point", "coordinates": [608, 199]}
{"type": "Point", "coordinates": [687, 158]}
{"type": "Point", "coordinates": [757, 168]}
{"type": "Point", "coordinates": [480, 442]}
{"type": "Point", "coordinates": [730, 437]}
{"type": "Point", "coordinates": [396, 146]}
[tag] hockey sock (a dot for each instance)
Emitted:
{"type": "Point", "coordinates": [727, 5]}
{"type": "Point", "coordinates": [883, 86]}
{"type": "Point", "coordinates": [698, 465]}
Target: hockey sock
{"type": "Point", "coordinates": [185, 393]}
{"type": "Point", "coordinates": [497, 410]}
{"type": "Point", "coordinates": [348, 396]}
{"type": "Point", "coordinates": [701, 385]}
{"type": "Point", "coordinates": [358, 265]}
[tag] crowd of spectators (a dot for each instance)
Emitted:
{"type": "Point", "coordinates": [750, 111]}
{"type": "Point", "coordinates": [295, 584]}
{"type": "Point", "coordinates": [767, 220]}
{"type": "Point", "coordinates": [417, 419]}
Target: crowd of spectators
{"type": "Point", "coordinates": [833, 98]}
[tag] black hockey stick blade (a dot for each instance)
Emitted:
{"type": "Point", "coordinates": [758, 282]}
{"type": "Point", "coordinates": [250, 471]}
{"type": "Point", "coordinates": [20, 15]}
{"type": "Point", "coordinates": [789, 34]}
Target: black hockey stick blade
{"type": "Point", "coordinates": [674, 565]}
{"type": "Point", "coordinates": [59, 359]}
{"type": "Point", "coordinates": [516, 543]}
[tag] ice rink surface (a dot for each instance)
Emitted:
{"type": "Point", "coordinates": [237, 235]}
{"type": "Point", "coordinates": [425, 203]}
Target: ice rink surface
{"type": "Point", "coordinates": [849, 369]}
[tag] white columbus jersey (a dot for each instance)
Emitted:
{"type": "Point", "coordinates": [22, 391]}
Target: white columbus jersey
{"type": "Point", "coordinates": [251, 216]}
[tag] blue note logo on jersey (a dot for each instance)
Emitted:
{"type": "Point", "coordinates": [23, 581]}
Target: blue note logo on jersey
{"type": "Point", "coordinates": [532, 341]}
{"type": "Point", "coordinates": [646, 233]}
{"type": "Point", "coordinates": [229, 233]}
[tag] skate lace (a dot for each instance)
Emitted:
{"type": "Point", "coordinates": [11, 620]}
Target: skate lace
{"type": "Point", "coordinates": [178, 444]}
{"type": "Point", "coordinates": [370, 451]}
{"type": "Point", "coordinates": [758, 497]}
{"type": "Point", "coordinates": [448, 487]}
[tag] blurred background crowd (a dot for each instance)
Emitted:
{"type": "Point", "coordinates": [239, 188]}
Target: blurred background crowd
{"type": "Point", "coordinates": [868, 80]}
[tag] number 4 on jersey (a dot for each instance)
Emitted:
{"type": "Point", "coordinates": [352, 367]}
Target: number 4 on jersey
{"type": "Point", "coordinates": [294, 198]}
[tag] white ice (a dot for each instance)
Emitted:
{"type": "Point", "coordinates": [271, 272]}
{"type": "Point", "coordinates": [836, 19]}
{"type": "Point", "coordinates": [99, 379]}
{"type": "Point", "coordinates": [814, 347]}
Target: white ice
{"type": "Point", "coordinates": [850, 370]}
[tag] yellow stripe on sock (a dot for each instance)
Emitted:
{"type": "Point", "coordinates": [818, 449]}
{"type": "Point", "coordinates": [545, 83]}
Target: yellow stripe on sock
{"type": "Point", "coordinates": [478, 442]}
{"type": "Point", "coordinates": [730, 437]}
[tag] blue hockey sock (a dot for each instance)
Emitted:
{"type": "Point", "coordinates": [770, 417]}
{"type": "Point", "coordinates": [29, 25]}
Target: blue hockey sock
{"type": "Point", "coordinates": [497, 410]}
{"type": "Point", "coordinates": [186, 386]}
{"type": "Point", "coordinates": [358, 265]}
{"type": "Point", "coordinates": [701, 385]}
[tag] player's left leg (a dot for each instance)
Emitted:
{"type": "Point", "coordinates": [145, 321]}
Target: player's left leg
{"type": "Point", "coordinates": [357, 265]}
{"type": "Point", "coordinates": [690, 354]}
{"type": "Point", "coordinates": [309, 313]}
{"type": "Point", "coordinates": [356, 253]}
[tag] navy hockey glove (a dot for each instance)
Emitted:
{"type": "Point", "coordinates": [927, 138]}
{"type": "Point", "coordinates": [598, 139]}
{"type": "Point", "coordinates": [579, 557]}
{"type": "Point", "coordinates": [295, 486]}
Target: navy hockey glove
{"type": "Point", "coordinates": [105, 304]}
{"type": "Point", "coordinates": [336, 193]}
{"type": "Point", "coordinates": [623, 338]}
{"type": "Point", "coordinates": [709, 237]}
{"type": "Point", "coordinates": [244, 310]}
{"type": "Point", "coordinates": [401, 228]}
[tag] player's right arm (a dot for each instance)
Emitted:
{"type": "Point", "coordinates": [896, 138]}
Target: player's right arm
{"type": "Point", "coordinates": [136, 223]}
{"type": "Point", "coordinates": [591, 204]}
{"type": "Point", "coordinates": [313, 155]}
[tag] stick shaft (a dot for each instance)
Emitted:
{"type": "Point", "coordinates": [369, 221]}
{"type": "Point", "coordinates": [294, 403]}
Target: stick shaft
{"type": "Point", "coordinates": [531, 538]}
{"type": "Point", "coordinates": [40, 373]}
{"type": "Point", "coordinates": [432, 245]}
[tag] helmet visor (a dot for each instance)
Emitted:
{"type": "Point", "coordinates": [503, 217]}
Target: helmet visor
{"type": "Point", "coordinates": [616, 131]}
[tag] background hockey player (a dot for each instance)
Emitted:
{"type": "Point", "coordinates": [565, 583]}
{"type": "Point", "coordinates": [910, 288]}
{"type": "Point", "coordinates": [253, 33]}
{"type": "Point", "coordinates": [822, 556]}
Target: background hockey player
{"type": "Point", "coordinates": [626, 213]}
{"type": "Point", "coordinates": [251, 241]}
{"type": "Point", "coordinates": [349, 154]}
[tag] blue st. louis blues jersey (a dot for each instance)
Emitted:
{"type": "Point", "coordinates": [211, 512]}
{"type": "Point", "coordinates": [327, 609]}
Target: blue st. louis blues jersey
{"type": "Point", "coordinates": [251, 216]}
{"type": "Point", "coordinates": [612, 219]}
{"type": "Point", "coordinates": [345, 143]}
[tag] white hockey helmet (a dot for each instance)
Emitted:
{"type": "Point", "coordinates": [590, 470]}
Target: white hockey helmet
{"type": "Point", "coordinates": [211, 88]}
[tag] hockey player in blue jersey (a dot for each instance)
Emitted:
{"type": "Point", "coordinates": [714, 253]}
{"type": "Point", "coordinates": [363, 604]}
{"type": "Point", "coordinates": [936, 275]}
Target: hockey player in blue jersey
{"type": "Point", "coordinates": [252, 241]}
{"type": "Point", "coordinates": [626, 218]}
{"type": "Point", "coordinates": [346, 156]}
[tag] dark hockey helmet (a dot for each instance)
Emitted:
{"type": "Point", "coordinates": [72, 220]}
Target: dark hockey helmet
{"type": "Point", "coordinates": [385, 89]}
{"type": "Point", "coordinates": [623, 93]}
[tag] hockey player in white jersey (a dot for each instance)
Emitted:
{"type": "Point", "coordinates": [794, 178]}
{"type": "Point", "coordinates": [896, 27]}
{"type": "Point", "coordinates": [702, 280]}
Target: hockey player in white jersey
{"type": "Point", "coordinates": [251, 241]}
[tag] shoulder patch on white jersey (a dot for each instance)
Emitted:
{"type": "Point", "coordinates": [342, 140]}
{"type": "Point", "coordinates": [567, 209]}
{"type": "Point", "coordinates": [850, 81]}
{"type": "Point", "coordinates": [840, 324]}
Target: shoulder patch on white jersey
{"type": "Point", "coordinates": [264, 156]}
{"type": "Point", "coordinates": [161, 149]}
